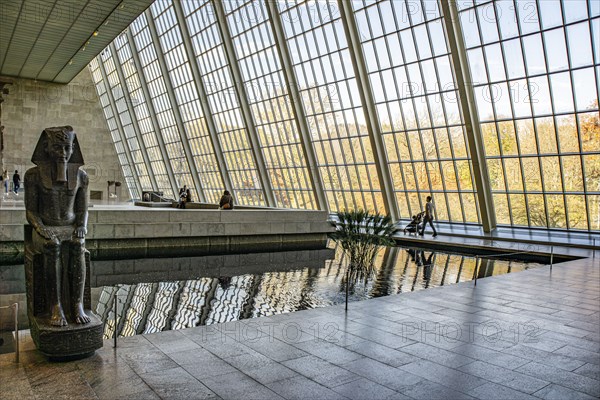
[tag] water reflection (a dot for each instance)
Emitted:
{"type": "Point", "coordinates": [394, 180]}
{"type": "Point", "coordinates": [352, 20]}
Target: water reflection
{"type": "Point", "coordinates": [178, 304]}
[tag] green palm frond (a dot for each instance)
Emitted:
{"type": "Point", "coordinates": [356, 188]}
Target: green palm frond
{"type": "Point", "coordinates": [361, 235]}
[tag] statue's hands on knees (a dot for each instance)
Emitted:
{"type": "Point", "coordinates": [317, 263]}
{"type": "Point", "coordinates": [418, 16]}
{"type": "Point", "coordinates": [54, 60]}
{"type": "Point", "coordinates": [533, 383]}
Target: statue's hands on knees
{"type": "Point", "coordinates": [47, 234]}
{"type": "Point", "coordinates": [80, 232]}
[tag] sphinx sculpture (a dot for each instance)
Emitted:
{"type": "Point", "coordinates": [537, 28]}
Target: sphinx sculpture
{"type": "Point", "coordinates": [56, 260]}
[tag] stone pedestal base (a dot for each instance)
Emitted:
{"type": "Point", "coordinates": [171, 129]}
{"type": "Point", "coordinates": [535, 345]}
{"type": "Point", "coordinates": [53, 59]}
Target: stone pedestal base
{"type": "Point", "coordinates": [57, 342]}
{"type": "Point", "coordinates": [67, 342]}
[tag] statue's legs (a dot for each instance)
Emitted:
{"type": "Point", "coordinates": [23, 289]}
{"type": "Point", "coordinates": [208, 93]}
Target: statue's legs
{"type": "Point", "coordinates": [53, 267]}
{"type": "Point", "coordinates": [77, 279]}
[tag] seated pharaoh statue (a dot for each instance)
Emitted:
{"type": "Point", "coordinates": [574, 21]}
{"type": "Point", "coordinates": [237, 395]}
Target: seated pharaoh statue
{"type": "Point", "coordinates": [56, 205]}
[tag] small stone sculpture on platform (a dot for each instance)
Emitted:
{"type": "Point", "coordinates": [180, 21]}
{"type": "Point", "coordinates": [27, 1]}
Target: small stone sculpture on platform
{"type": "Point", "coordinates": [57, 209]}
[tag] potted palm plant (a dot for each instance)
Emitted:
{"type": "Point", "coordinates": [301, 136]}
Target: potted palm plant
{"type": "Point", "coordinates": [361, 235]}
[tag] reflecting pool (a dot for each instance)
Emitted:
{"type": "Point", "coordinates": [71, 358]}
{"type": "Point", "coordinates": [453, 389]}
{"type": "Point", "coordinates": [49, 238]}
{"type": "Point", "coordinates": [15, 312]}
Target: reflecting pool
{"type": "Point", "coordinates": [297, 281]}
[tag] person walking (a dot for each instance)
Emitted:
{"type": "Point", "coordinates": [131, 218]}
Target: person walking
{"type": "Point", "coordinates": [5, 181]}
{"type": "Point", "coordinates": [16, 182]}
{"type": "Point", "coordinates": [428, 217]}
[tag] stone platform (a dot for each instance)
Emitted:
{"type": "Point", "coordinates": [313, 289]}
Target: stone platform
{"type": "Point", "coordinates": [129, 232]}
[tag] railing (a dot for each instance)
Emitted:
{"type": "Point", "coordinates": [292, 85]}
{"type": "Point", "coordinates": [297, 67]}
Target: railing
{"type": "Point", "coordinates": [500, 255]}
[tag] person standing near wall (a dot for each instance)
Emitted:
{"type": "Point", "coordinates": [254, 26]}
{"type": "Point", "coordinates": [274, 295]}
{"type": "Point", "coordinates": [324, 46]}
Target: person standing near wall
{"type": "Point", "coordinates": [16, 182]}
{"type": "Point", "coordinates": [226, 202]}
{"type": "Point", "coordinates": [5, 181]}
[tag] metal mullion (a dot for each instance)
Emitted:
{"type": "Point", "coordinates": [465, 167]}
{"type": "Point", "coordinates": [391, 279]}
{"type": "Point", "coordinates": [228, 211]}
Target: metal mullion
{"type": "Point", "coordinates": [283, 138]}
{"type": "Point", "coordinates": [117, 118]}
{"type": "Point", "coordinates": [404, 125]}
{"type": "Point", "coordinates": [133, 116]}
{"type": "Point", "coordinates": [495, 119]}
{"type": "Point", "coordinates": [577, 124]}
{"type": "Point", "coordinates": [202, 96]}
{"type": "Point", "coordinates": [469, 108]}
{"type": "Point", "coordinates": [393, 133]}
{"type": "Point", "coordinates": [242, 96]}
{"type": "Point", "coordinates": [447, 127]}
{"type": "Point", "coordinates": [419, 64]}
{"type": "Point", "coordinates": [413, 98]}
{"type": "Point", "coordinates": [496, 124]}
{"type": "Point", "coordinates": [598, 93]}
{"type": "Point", "coordinates": [329, 139]}
{"type": "Point", "coordinates": [368, 108]}
{"type": "Point", "coordinates": [326, 167]}
{"type": "Point", "coordinates": [355, 165]}
{"type": "Point", "coordinates": [152, 112]}
{"type": "Point", "coordinates": [345, 81]}
{"type": "Point", "coordinates": [555, 132]}
{"type": "Point", "coordinates": [454, 159]}
{"type": "Point", "coordinates": [528, 78]}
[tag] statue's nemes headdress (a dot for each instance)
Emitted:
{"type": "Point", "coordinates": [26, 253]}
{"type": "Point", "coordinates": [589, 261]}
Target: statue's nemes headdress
{"type": "Point", "coordinates": [59, 134]}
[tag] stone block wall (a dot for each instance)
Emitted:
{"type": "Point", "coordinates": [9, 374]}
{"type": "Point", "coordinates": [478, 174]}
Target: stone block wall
{"type": "Point", "coordinates": [32, 106]}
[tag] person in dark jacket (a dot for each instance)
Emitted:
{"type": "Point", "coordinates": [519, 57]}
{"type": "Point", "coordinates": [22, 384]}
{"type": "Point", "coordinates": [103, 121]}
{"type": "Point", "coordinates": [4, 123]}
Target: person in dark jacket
{"type": "Point", "coordinates": [16, 182]}
{"type": "Point", "coordinates": [226, 202]}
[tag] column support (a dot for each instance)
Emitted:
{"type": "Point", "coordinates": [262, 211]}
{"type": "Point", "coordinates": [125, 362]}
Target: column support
{"type": "Point", "coordinates": [134, 121]}
{"type": "Point", "coordinates": [152, 113]}
{"type": "Point", "coordinates": [244, 103]}
{"type": "Point", "coordinates": [175, 107]}
{"type": "Point", "coordinates": [296, 100]}
{"type": "Point", "coordinates": [113, 106]}
{"type": "Point", "coordinates": [366, 97]}
{"type": "Point", "coordinates": [202, 97]}
{"type": "Point", "coordinates": [468, 107]}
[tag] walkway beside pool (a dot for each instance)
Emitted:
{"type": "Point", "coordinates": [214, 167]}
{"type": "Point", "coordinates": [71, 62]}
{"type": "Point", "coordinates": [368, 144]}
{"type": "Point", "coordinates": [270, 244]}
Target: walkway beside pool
{"type": "Point", "coordinates": [525, 335]}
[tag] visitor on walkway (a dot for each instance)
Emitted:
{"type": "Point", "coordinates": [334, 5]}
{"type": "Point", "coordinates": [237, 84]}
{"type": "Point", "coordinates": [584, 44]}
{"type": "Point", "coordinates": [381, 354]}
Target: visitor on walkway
{"type": "Point", "coordinates": [5, 181]}
{"type": "Point", "coordinates": [226, 202]}
{"type": "Point", "coordinates": [428, 217]}
{"type": "Point", "coordinates": [16, 182]}
{"type": "Point", "coordinates": [184, 196]}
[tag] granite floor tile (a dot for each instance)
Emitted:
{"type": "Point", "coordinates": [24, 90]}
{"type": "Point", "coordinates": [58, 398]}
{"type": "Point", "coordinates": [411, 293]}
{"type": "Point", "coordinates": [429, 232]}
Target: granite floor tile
{"type": "Point", "coordinates": [148, 360]}
{"type": "Point", "coordinates": [589, 357]}
{"type": "Point", "coordinates": [302, 388]}
{"type": "Point", "coordinates": [248, 361]}
{"type": "Point", "coordinates": [515, 380]}
{"type": "Point", "coordinates": [19, 389]}
{"type": "Point", "coordinates": [226, 348]}
{"type": "Point", "coordinates": [271, 372]}
{"type": "Point", "coordinates": [383, 374]}
{"type": "Point", "coordinates": [427, 390]}
{"type": "Point", "coordinates": [172, 342]}
{"type": "Point", "coordinates": [330, 352]}
{"type": "Point", "coordinates": [490, 356]}
{"type": "Point", "coordinates": [69, 385]}
{"type": "Point", "coordinates": [437, 355]}
{"type": "Point", "coordinates": [493, 391]}
{"type": "Point", "coordinates": [557, 392]}
{"type": "Point", "coordinates": [209, 367]}
{"type": "Point", "coordinates": [449, 377]}
{"type": "Point", "coordinates": [146, 394]}
{"type": "Point", "coordinates": [177, 384]}
{"type": "Point", "coordinates": [562, 377]}
{"type": "Point", "coordinates": [192, 356]}
{"type": "Point", "coordinates": [321, 371]}
{"type": "Point", "coordinates": [362, 389]}
{"type": "Point", "coordinates": [236, 385]}
{"type": "Point", "coordinates": [544, 357]}
{"type": "Point", "coordinates": [382, 353]}
{"type": "Point", "coordinates": [589, 370]}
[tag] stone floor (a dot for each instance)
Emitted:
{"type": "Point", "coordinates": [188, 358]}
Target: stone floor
{"type": "Point", "coordinates": [527, 335]}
